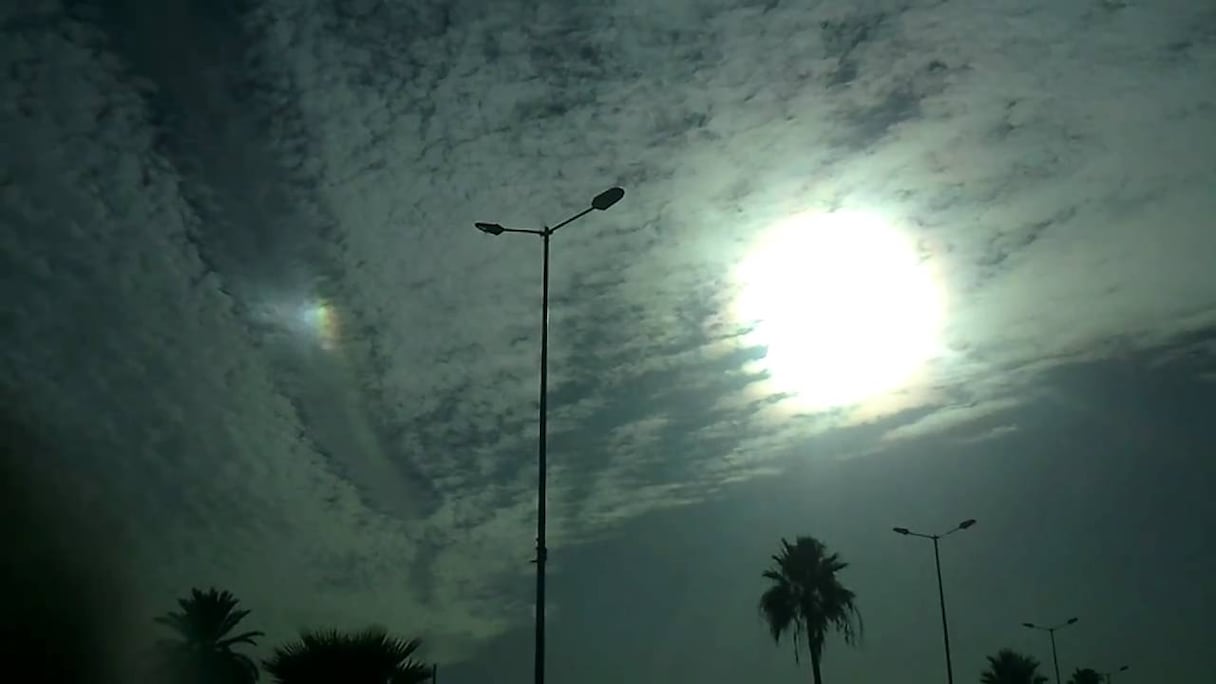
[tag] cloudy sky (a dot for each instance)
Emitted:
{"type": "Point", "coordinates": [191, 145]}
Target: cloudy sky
{"type": "Point", "coordinates": [248, 320]}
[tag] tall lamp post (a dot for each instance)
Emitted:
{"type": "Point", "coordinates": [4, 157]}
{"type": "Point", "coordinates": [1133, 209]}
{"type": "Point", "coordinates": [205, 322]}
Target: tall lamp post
{"type": "Point", "coordinates": [1108, 676]}
{"type": "Point", "coordinates": [941, 594]}
{"type": "Point", "coordinates": [601, 202]}
{"type": "Point", "coordinates": [1051, 631]}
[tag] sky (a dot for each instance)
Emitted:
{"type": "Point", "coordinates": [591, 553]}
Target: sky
{"type": "Point", "coordinates": [877, 264]}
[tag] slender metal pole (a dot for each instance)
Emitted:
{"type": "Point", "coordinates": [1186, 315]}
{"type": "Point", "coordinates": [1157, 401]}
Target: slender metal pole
{"type": "Point", "coordinates": [601, 202]}
{"type": "Point", "coordinates": [941, 596]}
{"type": "Point", "coordinates": [941, 592]}
{"type": "Point", "coordinates": [1054, 659]}
{"type": "Point", "coordinates": [541, 472]}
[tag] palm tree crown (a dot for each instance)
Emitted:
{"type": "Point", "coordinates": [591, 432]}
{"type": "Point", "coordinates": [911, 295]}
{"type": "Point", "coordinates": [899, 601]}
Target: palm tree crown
{"type": "Point", "coordinates": [332, 657]}
{"type": "Point", "coordinates": [1085, 675]}
{"type": "Point", "coordinates": [807, 599]}
{"type": "Point", "coordinates": [1011, 667]}
{"type": "Point", "coordinates": [203, 651]}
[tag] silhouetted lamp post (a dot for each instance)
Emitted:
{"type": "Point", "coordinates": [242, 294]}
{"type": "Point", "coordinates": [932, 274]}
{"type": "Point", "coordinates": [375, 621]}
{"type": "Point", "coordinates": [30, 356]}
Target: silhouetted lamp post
{"type": "Point", "coordinates": [1052, 632]}
{"type": "Point", "coordinates": [602, 201]}
{"type": "Point", "coordinates": [1110, 675]}
{"type": "Point", "coordinates": [941, 594]}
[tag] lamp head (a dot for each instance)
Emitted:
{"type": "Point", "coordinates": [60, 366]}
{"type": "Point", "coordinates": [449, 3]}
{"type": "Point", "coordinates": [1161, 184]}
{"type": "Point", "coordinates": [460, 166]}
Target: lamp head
{"type": "Point", "coordinates": [970, 522]}
{"type": "Point", "coordinates": [607, 198]}
{"type": "Point", "coordinates": [901, 530]}
{"type": "Point", "coordinates": [489, 228]}
{"type": "Point", "coordinates": [1031, 625]}
{"type": "Point", "coordinates": [1071, 621]}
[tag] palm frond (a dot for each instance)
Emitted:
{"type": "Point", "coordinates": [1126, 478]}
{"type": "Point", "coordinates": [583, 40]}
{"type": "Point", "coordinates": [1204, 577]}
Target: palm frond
{"type": "Point", "coordinates": [371, 655]}
{"type": "Point", "coordinates": [1085, 675]}
{"type": "Point", "coordinates": [777, 609]}
{"type": "Point", "coordinates": [1010, 667]}
{"type": "Point", "coordinates": [202, 649]}
{"type": "Point", "coordinates": [805, 596]}
{"type": "Point", "coordinates": [249, 638]}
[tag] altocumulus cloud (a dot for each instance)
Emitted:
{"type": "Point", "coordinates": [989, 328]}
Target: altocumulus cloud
{"type": "Point", "coordinates": [242, 294]}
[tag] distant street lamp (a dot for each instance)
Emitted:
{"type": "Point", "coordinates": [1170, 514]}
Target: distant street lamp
{"type": "Point", "coordinates": [1052, 632]}
{"type": "Point", "coordinates": [941, 594]}
{"type": "Point", "coordinates": [1108, 676]}
{"type": "Point", "coordinates": [601, 202]}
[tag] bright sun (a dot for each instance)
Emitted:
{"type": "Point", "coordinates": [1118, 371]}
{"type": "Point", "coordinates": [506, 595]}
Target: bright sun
{"type": "Point", "coordinates": [844, 306]}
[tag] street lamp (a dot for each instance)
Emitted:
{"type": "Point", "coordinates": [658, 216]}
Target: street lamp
{"type": "Point", "coordinates": [1110, 675]}
{"type": "Point", "coordinates": [601, 202]}
{"type": "Point", "coordinates": [1052, 632]}
{"type": "Point", "coordinates": [941, 594]}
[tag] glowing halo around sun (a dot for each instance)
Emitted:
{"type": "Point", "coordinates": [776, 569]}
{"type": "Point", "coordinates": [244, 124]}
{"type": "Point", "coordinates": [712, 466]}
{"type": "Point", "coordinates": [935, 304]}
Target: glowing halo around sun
{"type": "Point", "coordinates": [843, 305]}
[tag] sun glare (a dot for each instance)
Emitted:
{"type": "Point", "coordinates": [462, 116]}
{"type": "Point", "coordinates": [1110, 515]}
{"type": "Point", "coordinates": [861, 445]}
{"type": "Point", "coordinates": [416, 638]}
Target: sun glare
{"type": "Point", "coordinates": [843, 305]}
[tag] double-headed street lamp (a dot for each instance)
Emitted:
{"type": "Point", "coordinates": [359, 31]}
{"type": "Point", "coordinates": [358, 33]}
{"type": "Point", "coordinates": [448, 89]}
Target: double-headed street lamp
{"type": "Point", "coordinates": [602, 201]}
{"type": "Point", "coordinates": [941, 594]}
{"type": "Point", "coordinates": [1052, 632]}
{"type": "Point", "coordinates": [1108, 676]}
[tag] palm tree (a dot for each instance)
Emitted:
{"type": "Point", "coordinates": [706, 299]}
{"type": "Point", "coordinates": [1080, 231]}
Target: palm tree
{"type": "Point", "coordinates": [1086, 676]}
{"type": "Point", "coordinates": [332, 657]}
{"type": "Point", "coordinates": [1011, 667]}
{"type": "Point", "coordinates": [807, 599]}
{"type": "Point", "coordinates": [203, 651]}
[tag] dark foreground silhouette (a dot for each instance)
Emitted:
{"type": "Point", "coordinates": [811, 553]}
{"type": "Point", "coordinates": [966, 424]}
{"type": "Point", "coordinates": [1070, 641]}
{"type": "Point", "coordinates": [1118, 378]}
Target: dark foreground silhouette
{"type": "Point", "coordinates": [1011, 667]}
{"type": "Point", "coordinates": [60, 570]}
{"type": "Point", "coordinates": [807, 600]}
{"type": "Point", "coordinates": [203, 649]}
{"type": "Point", "coordinates": [1086, 675]}
{"type": "Point", "coordinates": [368, 657]}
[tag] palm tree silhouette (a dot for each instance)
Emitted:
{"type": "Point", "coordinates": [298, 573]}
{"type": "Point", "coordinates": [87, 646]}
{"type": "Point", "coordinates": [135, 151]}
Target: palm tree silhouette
{"type": "Point", "coordinates": [1086, 676]}
{"type": "Point", "coordinates": [332, 657]}
{"type": "Point", "coordinates": [1011, 667]}
{"type": "Point", "coordinates": [807, 599]}
{"type": "Point", "coordinates": [203, 651]}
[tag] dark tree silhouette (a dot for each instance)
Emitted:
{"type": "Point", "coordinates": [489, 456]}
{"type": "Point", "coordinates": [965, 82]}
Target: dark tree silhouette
{"type": "Point", "coordinates": [202, 651]}
{"type": "Point", "coordinates": [807, 599]}
{"type": "Point", "coordinates": [1085, 676]}
{"type": "Point", "coordinates": [332, 657]}
{"type": "Point", "coordinates": [1011, 667]}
